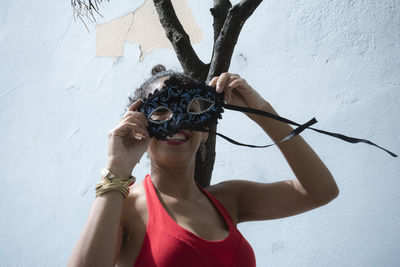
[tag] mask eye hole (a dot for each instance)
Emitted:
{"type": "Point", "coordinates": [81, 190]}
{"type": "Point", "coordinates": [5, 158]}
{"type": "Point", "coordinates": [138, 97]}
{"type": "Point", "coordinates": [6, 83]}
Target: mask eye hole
{"type": "Point", "coordinates": [199, 106]}
{"type": "Point", "coordinates": [160, 115]}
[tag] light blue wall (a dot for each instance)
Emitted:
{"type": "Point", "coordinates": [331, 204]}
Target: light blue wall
{"type": "Point", "coordinates": [335, 60]}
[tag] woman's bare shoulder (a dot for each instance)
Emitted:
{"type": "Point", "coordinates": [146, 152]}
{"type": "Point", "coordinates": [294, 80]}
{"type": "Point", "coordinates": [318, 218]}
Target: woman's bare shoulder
{"type": "Point", "coordinates": [223, 191]}
{"type": "Point", "coordinates": [134, 210]}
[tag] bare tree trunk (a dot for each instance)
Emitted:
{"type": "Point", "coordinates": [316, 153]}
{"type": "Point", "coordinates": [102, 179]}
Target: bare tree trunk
{"type": "Point", "coordinates": [228, 22]}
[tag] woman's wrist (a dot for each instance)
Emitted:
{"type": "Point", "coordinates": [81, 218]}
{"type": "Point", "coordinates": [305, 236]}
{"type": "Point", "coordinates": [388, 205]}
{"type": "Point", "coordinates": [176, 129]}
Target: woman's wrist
{"type": "Point", "coordinates": [254, 100]}
{"type": "Point", "coordinates": [263, 105]}
{"type": "Point", "coordinates": [119, 170]}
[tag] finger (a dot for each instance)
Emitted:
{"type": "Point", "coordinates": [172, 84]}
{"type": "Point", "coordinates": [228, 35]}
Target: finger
{"type": "Point", "coordinates": [213, 81]}
{"type": "Point", "coordinates": [135, 105]}
{"type": "Point", "coordinates": [134, 115]}
{"type": "Point", "coordinates": [232, 78]}
{"type": "Point", "coordinates": [135, 129]}
{"type": "Point", "coordinates": [241, 86]}
{"type": "Point", "coordinates": [228, 90]}
{"type": "Point", "coordinates": [222, 81]}
{"type": "Point", "coordinates": [235, 75]}
{"type": "Point", "coordinates": [227, 95]}
{"type": "Point", "coordinates": [135, 119]}
{"type": "Point", "coordinates": [237, 83]}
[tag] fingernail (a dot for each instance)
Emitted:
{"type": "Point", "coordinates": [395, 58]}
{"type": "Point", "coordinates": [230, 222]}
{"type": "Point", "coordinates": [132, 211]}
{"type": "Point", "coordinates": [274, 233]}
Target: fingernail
{"type": "Point", "coordinates": [138, 136]}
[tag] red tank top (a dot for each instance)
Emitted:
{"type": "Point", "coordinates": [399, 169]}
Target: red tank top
{"type": "Point", "coordinates": [167, 244]}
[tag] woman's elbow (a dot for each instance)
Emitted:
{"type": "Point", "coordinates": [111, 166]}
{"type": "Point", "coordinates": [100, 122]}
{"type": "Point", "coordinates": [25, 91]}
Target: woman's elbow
{"type": "Point", "coordinates": [327, 195]}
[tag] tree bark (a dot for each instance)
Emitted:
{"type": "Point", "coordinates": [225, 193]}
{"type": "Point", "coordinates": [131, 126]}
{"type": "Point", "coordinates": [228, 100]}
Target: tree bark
{"type": "Point", "coordinates": [219, 12]}
{"type": "Point", "coordinates": [227, 38]}
{"type": "Point", "coordinates": [228, 22]}
{"type": "Point", "coordinates": [190, 62]}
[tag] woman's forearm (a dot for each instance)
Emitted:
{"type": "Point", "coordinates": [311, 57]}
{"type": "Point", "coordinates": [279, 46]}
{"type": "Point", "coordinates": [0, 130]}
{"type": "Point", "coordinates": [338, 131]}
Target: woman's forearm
{"type": "Point", "coordinates": [308, 168]}
{"type": "Point", "coordinates": [98, 241]}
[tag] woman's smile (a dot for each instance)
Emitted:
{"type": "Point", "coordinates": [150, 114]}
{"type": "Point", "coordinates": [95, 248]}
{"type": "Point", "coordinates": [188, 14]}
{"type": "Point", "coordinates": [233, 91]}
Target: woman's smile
{"type": "Point", "coordinates": [177, 139]}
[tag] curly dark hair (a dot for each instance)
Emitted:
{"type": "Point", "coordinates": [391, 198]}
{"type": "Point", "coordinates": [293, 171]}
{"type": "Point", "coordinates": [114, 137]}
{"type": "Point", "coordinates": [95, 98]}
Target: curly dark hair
{"type": "Point", "coordinates": [157, 72]}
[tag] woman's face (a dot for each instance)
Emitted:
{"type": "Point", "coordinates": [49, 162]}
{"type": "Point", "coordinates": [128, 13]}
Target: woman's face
{"type": "Point", "coordinates": [179, 148]}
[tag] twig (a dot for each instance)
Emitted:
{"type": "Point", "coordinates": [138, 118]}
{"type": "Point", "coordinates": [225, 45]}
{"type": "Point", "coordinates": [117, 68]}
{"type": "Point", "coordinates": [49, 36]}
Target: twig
{"type": "Point", "coordinates": [83, 10]}
{"type": "Point", "coordinates": [180, 40]}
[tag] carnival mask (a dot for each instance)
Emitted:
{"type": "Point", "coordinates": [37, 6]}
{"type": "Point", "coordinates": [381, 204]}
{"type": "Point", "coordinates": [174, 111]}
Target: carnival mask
{"type": "Point", "coordinates": [193, 106]}
{"type": "Point", "coordinates": [181, 106]}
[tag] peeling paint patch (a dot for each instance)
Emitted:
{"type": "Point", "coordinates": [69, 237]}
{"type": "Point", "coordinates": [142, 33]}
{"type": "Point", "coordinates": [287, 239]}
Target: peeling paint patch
{"type": "Point", "coordinates": [143, 27]}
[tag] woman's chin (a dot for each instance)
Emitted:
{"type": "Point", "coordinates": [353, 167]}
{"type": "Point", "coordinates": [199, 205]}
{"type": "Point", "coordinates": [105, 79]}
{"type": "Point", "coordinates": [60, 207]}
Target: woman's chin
{"type": "Point", "coordinates": [174, 160]}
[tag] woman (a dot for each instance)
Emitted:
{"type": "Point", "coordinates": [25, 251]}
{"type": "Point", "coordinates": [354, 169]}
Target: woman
{"type": "Point", "coordinates": [169, 220]}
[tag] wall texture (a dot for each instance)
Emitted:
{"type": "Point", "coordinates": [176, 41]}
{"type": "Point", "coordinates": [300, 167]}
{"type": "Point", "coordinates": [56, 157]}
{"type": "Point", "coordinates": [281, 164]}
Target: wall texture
{"type": "Point", "coordinates": [335, 60]}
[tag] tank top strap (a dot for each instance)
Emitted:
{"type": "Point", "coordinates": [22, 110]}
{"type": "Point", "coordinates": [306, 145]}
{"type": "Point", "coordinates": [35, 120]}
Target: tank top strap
{"type": "Point", "coordinates": [221, 209]}
{"type": "Point", "coordinates": [156, 212]}
{"type": "Point", "coordinates": [150, 193]}
{"type": "Point", "coordinates": [158, 216]}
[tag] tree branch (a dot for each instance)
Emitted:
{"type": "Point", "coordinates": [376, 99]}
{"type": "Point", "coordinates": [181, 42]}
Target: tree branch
{"type": "Point", "coordinates": [219, 12]}
{"type": "Point", "coordinates": [226, 41]}
{"type": "Point", "coordinates": [180, 40]}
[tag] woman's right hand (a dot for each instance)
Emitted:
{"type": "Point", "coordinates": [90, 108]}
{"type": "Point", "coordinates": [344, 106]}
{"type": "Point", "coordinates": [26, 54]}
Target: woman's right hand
{"type": "Point", "coordinates": [127, 142]}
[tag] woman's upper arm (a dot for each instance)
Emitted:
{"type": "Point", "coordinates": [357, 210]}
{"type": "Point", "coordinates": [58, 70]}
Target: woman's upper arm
{"type": "Point", "coordinates": [132, 227]}
{"type": "Point", "coordinates": [265, 201]}
{"type": "Point", "coordinates": [119, 243]}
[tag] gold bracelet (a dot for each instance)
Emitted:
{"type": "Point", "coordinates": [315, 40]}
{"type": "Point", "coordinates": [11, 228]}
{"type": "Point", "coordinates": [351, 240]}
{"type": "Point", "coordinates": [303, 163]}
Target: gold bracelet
{"type": "Point", "coordinates": [106, 185]}
{"type": "Point", "coordinates": [122, 185]}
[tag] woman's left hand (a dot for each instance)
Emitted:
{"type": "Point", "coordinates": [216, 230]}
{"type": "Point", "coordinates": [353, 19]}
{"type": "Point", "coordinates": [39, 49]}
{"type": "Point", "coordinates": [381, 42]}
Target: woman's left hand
{"type": "Point", "coordinates": [237, 91]}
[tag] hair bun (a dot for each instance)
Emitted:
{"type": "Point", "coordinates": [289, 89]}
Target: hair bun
{"type": "Point", "coordinates": [157, 69]}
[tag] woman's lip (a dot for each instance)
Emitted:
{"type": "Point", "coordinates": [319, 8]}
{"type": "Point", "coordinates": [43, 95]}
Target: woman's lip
{"type": "Point", "coordinates": [174, 142]}
{"type": "Point", "coordinates": [177, 142]}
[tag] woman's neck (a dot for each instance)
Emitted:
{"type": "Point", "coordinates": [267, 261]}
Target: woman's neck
{"type": "Point", "coordinates": [176, 182]}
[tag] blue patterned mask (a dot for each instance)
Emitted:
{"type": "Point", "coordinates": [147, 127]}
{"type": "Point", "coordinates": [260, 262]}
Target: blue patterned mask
{"type": "Point", "coordinates": [181, 106]}
{"type": "Point", "coordinates": [193, 106]}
